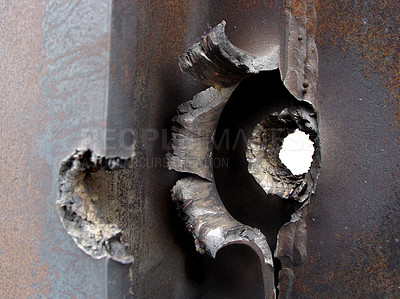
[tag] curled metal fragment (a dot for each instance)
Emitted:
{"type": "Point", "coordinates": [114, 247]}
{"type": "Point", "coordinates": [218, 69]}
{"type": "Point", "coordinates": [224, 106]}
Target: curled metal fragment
{"type": "Point", "coordinates": [218, 63]}
{"type": "Point", "coordinates": [193, 132]}
{"type": "Point", "coordinates": [79, 213]}
{"type": "Point", "coordinates": [298, 51]}
{"type": "Point", "coordinates": [263, 149]}
{"type": "Point", "coordinates": [291, 249]}
{"type": "Point", "coordinates": [286, 277]}
{"type": "Point", "coordinates": [214, 228]}
{"type": "Point", "coordinates": [291, 245]}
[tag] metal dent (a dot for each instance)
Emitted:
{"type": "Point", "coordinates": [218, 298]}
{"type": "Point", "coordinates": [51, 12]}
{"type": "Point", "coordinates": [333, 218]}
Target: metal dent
{"type": "Point", "coordinates": [79, 213]}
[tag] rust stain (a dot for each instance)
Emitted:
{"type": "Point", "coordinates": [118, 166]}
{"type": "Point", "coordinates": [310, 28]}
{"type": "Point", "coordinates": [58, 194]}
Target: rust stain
{"type": "Point", "coordinates": [22, 273]}
{"type": "Point", "coordinates": [311, 18]}
{"type": "Point", "coordinates": [368, 264]}
{"type": "Point", "coordinates": [371, 30]}
{"type": "Point", "coordinates": [172, 18]}
{"type": "Point", "coordinates": [251, 5]}
{"type": "Point", "coordinates": [297, 9]}
{"type": "Point", "coordinates": [361, 264]}
{"type": "Point", "coordinates": [165, 37]}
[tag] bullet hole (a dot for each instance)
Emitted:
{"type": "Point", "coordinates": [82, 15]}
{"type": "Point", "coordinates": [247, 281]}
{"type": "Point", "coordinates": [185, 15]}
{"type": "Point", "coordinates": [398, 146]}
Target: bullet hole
{"type": "Point", "coordinates": [296, 152]}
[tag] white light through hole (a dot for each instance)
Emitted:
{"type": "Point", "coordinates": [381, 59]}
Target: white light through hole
{"type": "Point", "coordinates": [297, 151]}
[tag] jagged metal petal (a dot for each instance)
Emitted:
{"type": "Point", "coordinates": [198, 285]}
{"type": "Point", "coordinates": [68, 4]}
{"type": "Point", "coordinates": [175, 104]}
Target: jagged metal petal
{"type": "Point", "coordinates": [193, 132]}
{"type": "Point", "coordinates": [218, 63]}
{"type": "Point", "coordinates": [214, 228]}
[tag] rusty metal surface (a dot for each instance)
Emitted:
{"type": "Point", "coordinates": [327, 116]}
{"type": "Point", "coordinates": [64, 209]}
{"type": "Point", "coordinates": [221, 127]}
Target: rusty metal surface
{"type": "Point", "coordinates": [53, 69]}
{"type": "Point", "coordinates": [42, 112]}
{"type": "Point", "coordinates": [354, 225]}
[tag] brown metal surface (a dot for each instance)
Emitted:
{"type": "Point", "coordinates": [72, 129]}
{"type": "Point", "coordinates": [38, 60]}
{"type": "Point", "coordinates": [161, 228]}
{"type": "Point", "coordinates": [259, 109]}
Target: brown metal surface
{"type": "Point", "coordinates": [53, 94]}
{"type": "Point", "coordinates": [21, 193]}
{"type": "Point", "coordinates": [354, 226]}
{"type": "Point", "coordinates": [40, 120]}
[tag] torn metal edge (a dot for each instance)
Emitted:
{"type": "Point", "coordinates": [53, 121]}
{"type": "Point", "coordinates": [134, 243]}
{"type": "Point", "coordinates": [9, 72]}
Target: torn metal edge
{"type": "Point", "coordinates": [213, 228]}
{"type": "Point", "coordinates": [298, 62]}
{"type": "Point", "coordinates": [291, 249]}
{"type": "Point", "coordinates": [218, 63]}
{"type": "Point", "coordinates": [78, 211]}
{"type": "Point", "coordinates": [193, 130]}
{"type": "Point", "coordinates": [299, 72]}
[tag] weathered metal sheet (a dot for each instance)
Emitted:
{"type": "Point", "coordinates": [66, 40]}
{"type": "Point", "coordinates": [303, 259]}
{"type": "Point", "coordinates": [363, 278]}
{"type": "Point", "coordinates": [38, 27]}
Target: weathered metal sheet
{"type": "Point", "coordinates": [54, 62]}
{"type": "Point", "coordinates": [353, 224]}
